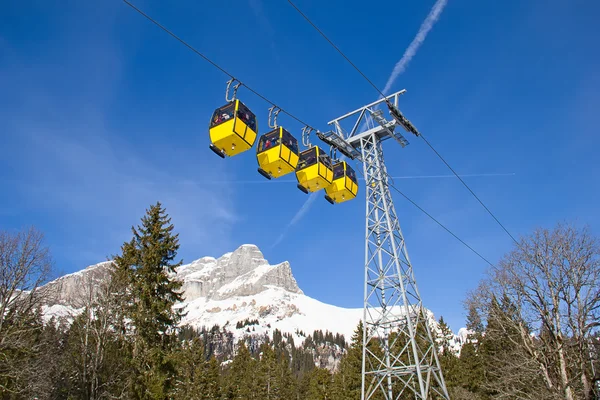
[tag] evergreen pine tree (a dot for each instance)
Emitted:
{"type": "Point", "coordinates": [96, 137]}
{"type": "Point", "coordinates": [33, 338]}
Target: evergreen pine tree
{"type": "Point", "coordinates": [445, 336]}
{"type": "Point", "coordinates": [144, 268]}
{"type": "Point", "coordinates": [268, 373]}
{"type": "Point", "coordinates": [471, 369]}
{"type": "Point", "coordinates": [274, 375]}
{"type": "Point", "coordinates": [285, 378]}
{"type": "Point", "coordinates": [320, 385]}
{"type": "Point", "coordinates": [470, 362]}
{"type": "Point", "coordinates": [197, 378]}
{"type": "Point", "coordinates": [213, 380]}
{"type": "Point", "coordinates": [448, 360]}
{"type": "Point", "coordinates": [348, 379]}
{"type": "Point", "coordinates": [474, 322]}
{"type": "Point", "coordinates": [242, 382]}
{"type": "Point", "coordinates": [190, 358]}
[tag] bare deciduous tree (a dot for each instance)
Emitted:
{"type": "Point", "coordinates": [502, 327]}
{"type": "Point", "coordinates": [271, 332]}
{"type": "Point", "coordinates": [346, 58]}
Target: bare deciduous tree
{"type": "Point", "coordinates": [552, 278]}
{"type": "Point", "coordinates": [25, 264]}
{"type": "Point", "coordinates": [95, 339]}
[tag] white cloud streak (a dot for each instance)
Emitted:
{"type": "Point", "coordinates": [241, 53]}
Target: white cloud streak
{"type": "Point", "coordinates": [399, 68]}
{"type": "Point", "coordinates": [297, 217]}
{"type": "Point", "coordinates": [410, 52]}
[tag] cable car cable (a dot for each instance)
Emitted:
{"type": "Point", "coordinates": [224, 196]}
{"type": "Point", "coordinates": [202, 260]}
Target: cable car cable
{"type": "Point", "coordinates": [212, 62]}
{"type": "Point", "coordinates": [473, 193]}
{"type": "Point", "coordinates": [440, 224]}
{"type": "Point", "coordinates": [304, 123]}
{"type": "Point", "coordinates": [435, 220]}
{"type": "Point", "coordinates": [335, 47]}
{"type": "Point", "coordinates": [420, 134]}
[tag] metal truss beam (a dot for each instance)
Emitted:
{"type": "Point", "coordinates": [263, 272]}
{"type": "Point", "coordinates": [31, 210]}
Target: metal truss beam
{"type": "Point", "coordinates": [361, 115]}
{"type": "Point", "coordinates": [399, 353]}
{"type": "Point", "coordinates": [400, 359]}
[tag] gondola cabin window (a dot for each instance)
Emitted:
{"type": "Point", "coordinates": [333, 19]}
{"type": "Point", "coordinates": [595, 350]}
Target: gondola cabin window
{"type": "Point", "coordinates": [324, 158]}
{"type": "Point", "coordinates": [222, 114]}
{"type": "Point", "coordinates": [338, 171]}
{"type": "Point", "coordinates": [351, 174]}
{"type": "Point", "coordinates": [246, 116]}
{"type": "Point", "coordinates": [307, 158]}
{"type": "Point", "coordinates": [289, 141]}
{"type": "Point", "coordinates": [269, 141]}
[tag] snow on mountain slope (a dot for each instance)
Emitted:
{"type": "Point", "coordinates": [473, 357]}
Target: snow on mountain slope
{"type": "Point", "coordinates": [223, 291]}
{"type": "Point", "coordinates": [274, 308]}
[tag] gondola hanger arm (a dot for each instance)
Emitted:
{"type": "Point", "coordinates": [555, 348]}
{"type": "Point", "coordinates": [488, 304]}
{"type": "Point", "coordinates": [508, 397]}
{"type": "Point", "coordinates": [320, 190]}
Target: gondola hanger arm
{"type": "Point", "coordinates": [306, 136]}
{"type": "Point", "coordinates": [333, 153]}
{"type": "Point", "coordinates": [273, 113]}
{"type": "Point", "coordinates": [235, 88]}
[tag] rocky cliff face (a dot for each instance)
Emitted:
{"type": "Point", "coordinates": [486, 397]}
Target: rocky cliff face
{"type": "Point", "coordinates": [244, 272]}
{"type": "Point", "coordinates": [72, 289]}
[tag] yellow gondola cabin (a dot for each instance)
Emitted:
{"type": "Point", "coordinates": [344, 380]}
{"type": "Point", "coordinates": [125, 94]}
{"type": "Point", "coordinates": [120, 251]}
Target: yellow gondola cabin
{"type": "Point", "coordinates": [277, 153]}
{"type": "Point", "coordinates": [344, 186]}
{"type": "Point", "coordinates": [232, 129]}
{"type": "Point", "coordinates": [314, 170]}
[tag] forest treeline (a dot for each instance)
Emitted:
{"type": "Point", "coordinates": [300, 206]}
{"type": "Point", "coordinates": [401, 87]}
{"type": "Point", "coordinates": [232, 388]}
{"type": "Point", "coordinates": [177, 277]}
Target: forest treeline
{"type": "Point", "coordinates": [533, 331]}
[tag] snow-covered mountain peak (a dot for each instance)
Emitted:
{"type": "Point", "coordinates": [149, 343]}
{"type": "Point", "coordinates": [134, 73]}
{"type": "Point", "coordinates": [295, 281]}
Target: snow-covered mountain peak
{"type": "Point", "coordinates": [232, 291]}
{"type": "Point", "coordinates": [243, 272]}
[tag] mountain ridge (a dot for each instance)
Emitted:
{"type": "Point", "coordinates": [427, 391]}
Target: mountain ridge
{"type": "Point", "coordinates": [238, 286]}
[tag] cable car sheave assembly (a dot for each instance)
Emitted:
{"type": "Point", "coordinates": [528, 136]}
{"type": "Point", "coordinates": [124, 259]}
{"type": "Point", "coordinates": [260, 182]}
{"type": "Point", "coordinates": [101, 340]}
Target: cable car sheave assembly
{"type": "Point", "coordinates": [233, 130]}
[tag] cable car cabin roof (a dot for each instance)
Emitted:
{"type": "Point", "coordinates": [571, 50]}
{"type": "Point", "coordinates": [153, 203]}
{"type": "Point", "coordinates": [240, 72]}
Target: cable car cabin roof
{"type": "Point", "coordinates": [341, 169]}
{"type": "Point", "coordinates": [234, 109]}
{"type": "Point", "coordinates": [276, 137]}
{"type": "Point", "coordinates": [313, 156]}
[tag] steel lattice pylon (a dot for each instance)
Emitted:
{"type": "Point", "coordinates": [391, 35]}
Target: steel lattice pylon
{"type": "Point", "coordinates": [400, 359]}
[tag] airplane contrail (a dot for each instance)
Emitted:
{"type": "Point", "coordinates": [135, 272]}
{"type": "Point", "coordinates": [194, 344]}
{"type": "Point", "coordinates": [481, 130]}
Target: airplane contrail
{"type": "Point", "coordinates": [399, 68]}
{"type": "Point", "coordinates": [410, 52]}
{"type": "Point", "coordinates": [301, 212]}
{"type": "Point", "coordinates": [311, 199]}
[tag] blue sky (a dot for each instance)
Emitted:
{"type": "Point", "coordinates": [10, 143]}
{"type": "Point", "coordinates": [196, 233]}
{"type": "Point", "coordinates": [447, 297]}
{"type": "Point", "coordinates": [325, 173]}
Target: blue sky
{"type": "Point", "coordinates": [102, 114]}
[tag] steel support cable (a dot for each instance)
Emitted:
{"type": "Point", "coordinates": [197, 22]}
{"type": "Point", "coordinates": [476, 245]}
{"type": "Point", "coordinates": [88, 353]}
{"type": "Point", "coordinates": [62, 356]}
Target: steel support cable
{"type": "Point", "coordinates": [335, 47]}
{"type": "Point", "coordinates": [214, 64]}
{"type": "Point", "coordinates": [304, 123]}
{"type": "Point", "coordinates": [420, 134]}
{"type": "Point", "coordinates": [434, 220]}
{"type": "Point", "coordinates": [442, 225]}
{"type": "Point", "coordinates": [469, 189]}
